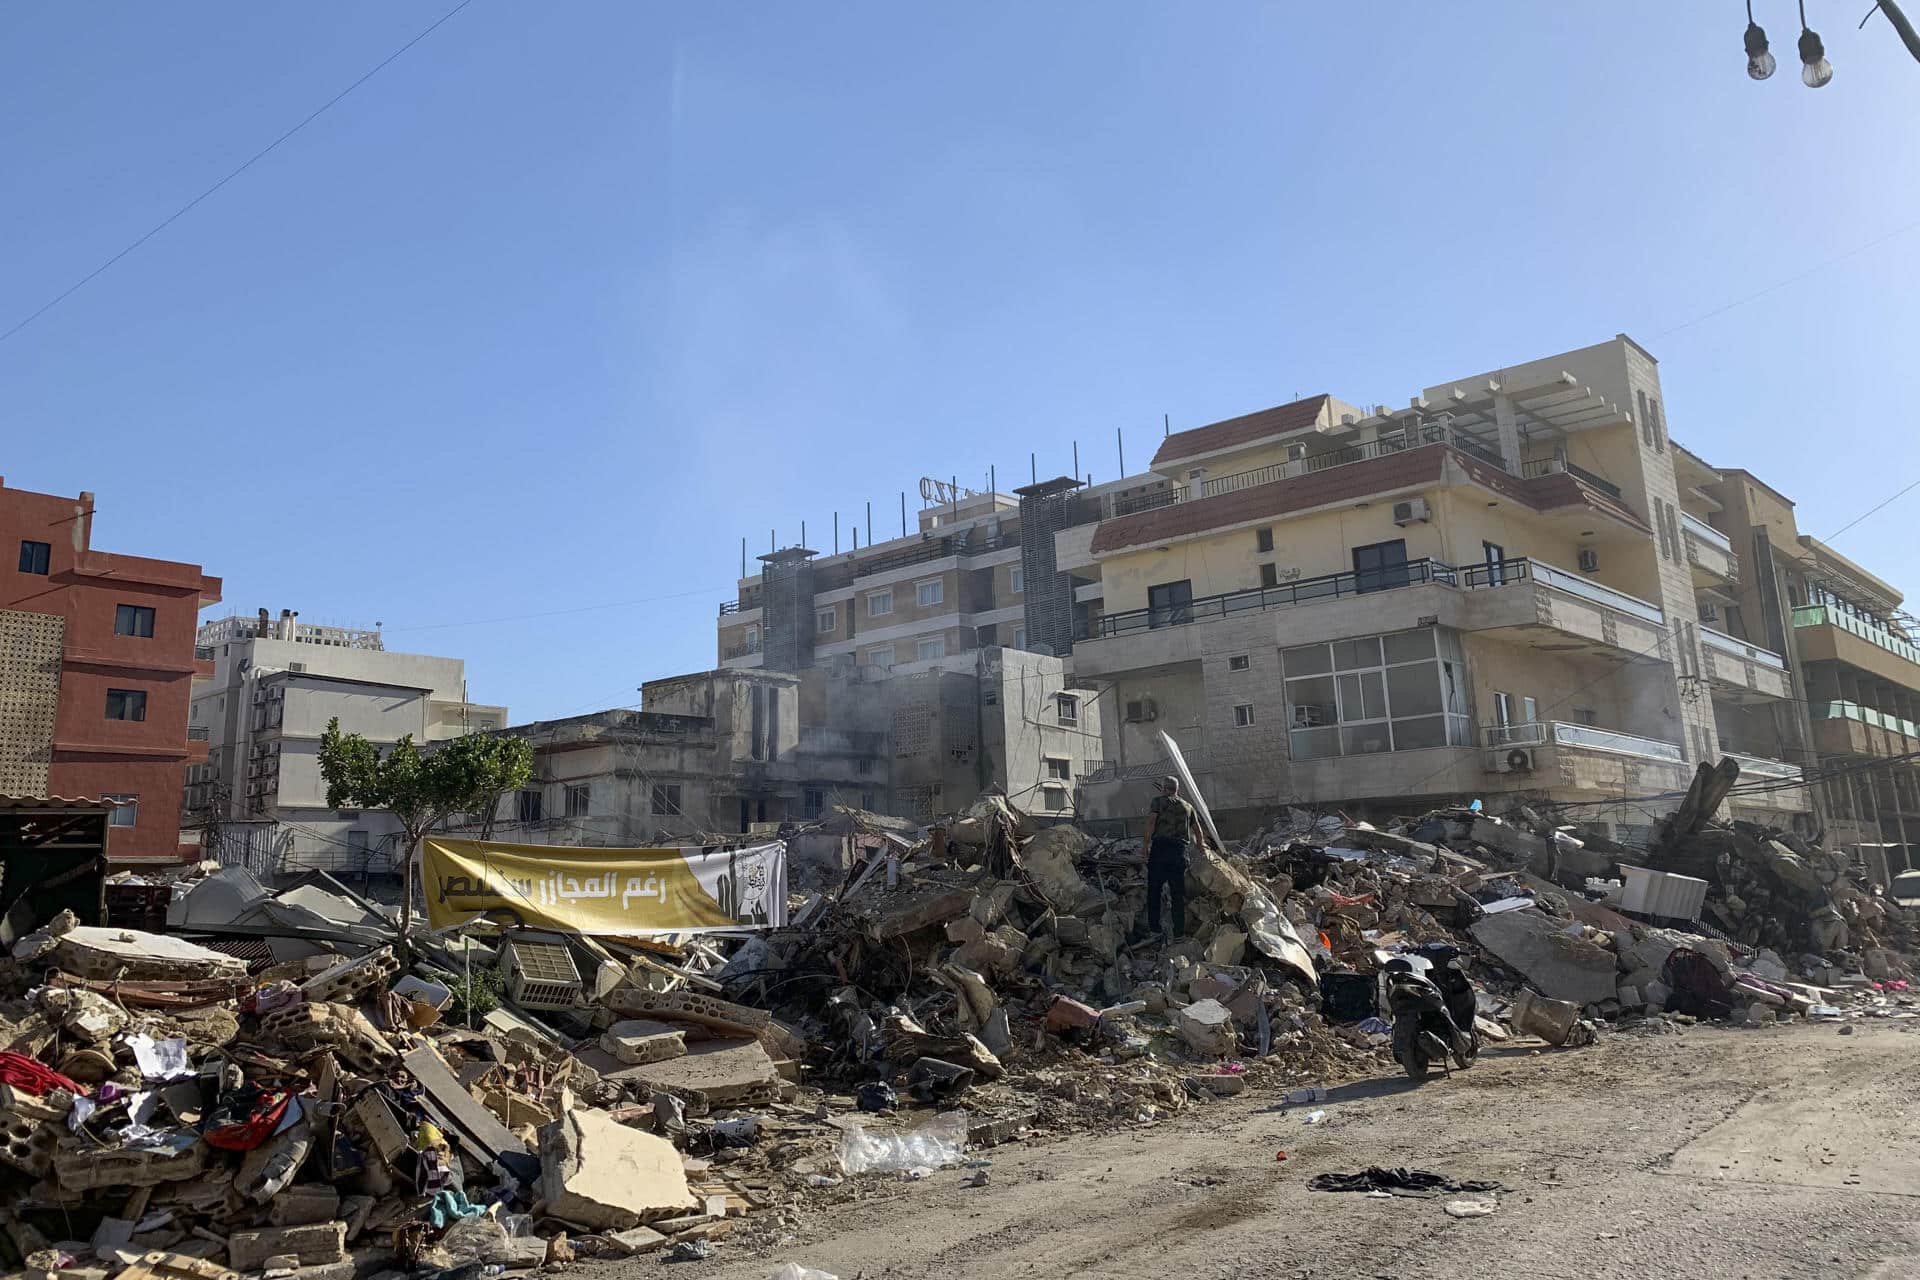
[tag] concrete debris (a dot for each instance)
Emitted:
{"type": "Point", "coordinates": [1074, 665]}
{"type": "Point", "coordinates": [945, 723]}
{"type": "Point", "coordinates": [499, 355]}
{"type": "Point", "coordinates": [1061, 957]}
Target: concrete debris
{"type": "Point", "coordinates": [605, 1176]}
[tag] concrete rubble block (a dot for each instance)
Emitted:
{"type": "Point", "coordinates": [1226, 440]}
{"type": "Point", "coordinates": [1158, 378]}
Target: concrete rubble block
{"type": "Point", "coordinates": [919, 913]}
{"type": "Point", "coordinates": [1068, 1014]}
{"type": "Point", "coordinates": [989, 954]}
{"type": "Point", "coordinates": [1629, 997]}
{"type": "Point", "coordinates": [1226, 946]}
{"type": "Point", "coordinates": [636, 1240]}
{"type": "Point", "coordinates": [310, 1245]}
{"type": "Point", "coordinates": [965, 930]}
{"type": "Point", "coordinates": [106, 953]}
{"type": "Point", "coordinates": [29, 1132]}
{"type": "Point", "coordinates": [724, 1072]}
{"type": "Point", "coordinates": [161, 1265]}
{"type": "Point", "coordinates": [304, 1203]}
{"type": "Point", "coordinates": [1207, 1027]}
{"type": "Point", "coordinates": [1221, 1084]}
{"type": "Point", "coordinates": [1562, 966]}
{"type": "Point", "coordinates": [1071, 930]}
{"type": "Point", "coordinates": [599, 1173]}
{"type": "Point", "coordinates": [1049, 860]}
{"type": "Point", "coordinates": [1536, 1015]}
{"type": "Point", "coordinates": [1212, 986]}
{"type": "Point", "coordinates": [722, 1016]}
{"type": "Point", "coordinates": [990, 906]}
{"type": "Point", "coordinates": [80, 1165]}
{"type": "Point", "coordinates": [638, 1041]}
{"type": "Point", "coordinates": [350, 980]}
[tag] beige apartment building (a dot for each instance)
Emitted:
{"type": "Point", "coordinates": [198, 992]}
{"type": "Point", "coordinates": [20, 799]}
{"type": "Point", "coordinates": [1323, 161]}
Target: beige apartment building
{"type": "Point", "coordinates": [1518, 585]}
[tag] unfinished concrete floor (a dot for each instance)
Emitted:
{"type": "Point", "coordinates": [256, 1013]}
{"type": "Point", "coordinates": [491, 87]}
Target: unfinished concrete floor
{"type": "Point", "coordinates": [1782, 1152]}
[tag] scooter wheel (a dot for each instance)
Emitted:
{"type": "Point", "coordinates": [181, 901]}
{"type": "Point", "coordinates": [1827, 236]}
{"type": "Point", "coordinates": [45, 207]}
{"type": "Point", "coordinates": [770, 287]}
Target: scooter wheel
{"type": "Point", "coordinates": [1416, 1066]}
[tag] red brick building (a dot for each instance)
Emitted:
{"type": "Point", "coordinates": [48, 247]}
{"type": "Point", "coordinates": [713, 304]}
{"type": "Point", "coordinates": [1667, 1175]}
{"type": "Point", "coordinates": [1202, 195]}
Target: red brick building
{"type": "Point", "coordinates": [97, 665]}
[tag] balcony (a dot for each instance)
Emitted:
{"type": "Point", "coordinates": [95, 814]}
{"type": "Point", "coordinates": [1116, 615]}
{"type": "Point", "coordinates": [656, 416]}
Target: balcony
{"type": "Point", "coordinates": [1709, 552]}
{"type": "Point", "coordinates": [1385, 446]}
{"type": "Point", "coordinates": [1850, 729]}
{"type": "Point", "coordinates": [1745, 672]}
{"type": "Point", "coordinates": [1761, 768]}
{"type": "Point", "coordinates": [1826, 633]}
{"type": "Point", "coordinates": [1560, 466]}
{"type": "Point", "coordinates": [1583, 736]}
{"type": "Point", "coordinates": [1772, 785]}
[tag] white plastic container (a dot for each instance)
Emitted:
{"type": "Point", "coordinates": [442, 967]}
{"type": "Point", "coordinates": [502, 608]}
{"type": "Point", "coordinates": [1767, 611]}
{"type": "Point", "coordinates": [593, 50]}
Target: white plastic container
{"type": "Point", "coordinates": [1661, 893]}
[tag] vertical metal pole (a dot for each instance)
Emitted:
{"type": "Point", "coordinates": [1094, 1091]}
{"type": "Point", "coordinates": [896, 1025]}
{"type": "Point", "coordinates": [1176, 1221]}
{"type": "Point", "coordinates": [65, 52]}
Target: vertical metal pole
{"type": "Point", "coordinates": [1076, 459]}
{"type": "Point", "coordinates": [993, 484]}
{"type": "Point", "coordinates": [836, 533]}
{"type": "Point", "coordinates": [903, 513]}
{"type": "Point", "coordinates": [803, 533]}
{"type": "Point", "coordinates": [1166, 424]}
{"type": "Point", "coordinates": [743, 557]}
{"type": "Point", "coordinates": [956, 499]}
{"type": "Point", "coordinates": [869, 523]}
{"type": "Point", "coordinates": [1033, 468]}
{"type": "Point", "coordinates": [771, 545]}
{"type": "Point", "coordinates": [1120, 442]}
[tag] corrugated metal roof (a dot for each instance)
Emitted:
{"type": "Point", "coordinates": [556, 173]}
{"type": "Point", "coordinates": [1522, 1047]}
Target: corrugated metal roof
{"type": "Point", "coordinates": [58, 804]}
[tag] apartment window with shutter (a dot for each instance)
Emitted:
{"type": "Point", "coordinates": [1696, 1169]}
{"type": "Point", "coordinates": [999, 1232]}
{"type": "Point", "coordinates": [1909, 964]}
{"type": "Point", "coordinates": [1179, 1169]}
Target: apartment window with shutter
{"type": "Point", "coordinates": [824, 620]}
{"type": "Point", "coordinates": [1263, 539]}
{"type": "Point", "coordinates": [666, 798]}
{"type": "Point", "coordinates": [1019, 637]}
{"type": "Point", "coordinates": [1059, 769]}
{"type": "Point", "coordinates": [528, 807]}
{"type": "Point", "coordinates": [1661, 528]}
{"type": "Point", "coordinates": [880, 603]}
{"type": "Point", "coordinates": [1053, 799]}
{"type": "Point", "coordinates": [1269, 575]}
{"type": "Point", "coordinates": [926, 594]}
{"type": "Point", "coordinates": [1659, 425]}
{"type": "Point", "coordinates": [1066, 708]}
{"type": "Point", "coordinates": [1016, 581]}
{"type": "Point", "coordinates": [133, 620]}
{"type": "Point", "coordinates": [1239, 662]}
{"type": "Point", "coordinates": [935, 647]}
{"type": "Point", "coordinates": [1673, 532]}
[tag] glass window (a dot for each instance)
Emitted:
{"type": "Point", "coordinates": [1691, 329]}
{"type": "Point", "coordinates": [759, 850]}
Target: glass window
{"type": "Point", "coordinates": [1349, 655]}
{"type": "Point", "coordinates": [929, 593]}
{"type": "Point", "coordinates": [1364, 739]}
{"type": "Point", "coordinates": [133, 620]}
{"type": "Point", "coordinates": [1413, 690]}
{"type": "Point", "coordinates": [1424, 731]}
{"type": "Point", "coordinates": [1263, 539]}
{"type": "Point", "coordinates": [1170, 603]}
{"type": "Point", "coordinates": [933, 648]}
{"type": "Point", "coordinates": [1269, 575]}
{"type": "Point", "coordinates": [1016, 581]}
{"type": "Point", "coordinates": [529, 806]}
{"type": "Point", "coordinates": [1312, 702]}
{"type": "Point", "coordinates": [1408, 646]}
{"type": "Point", "coordinates": [825, 619]}
{"type": "Point", "coordinates": [880, 603]}
{"type": "Point", "coordinates": [579, 800]}
{"type": "Point", "coordinates": [1243, 715]}
{"type": "Point", "coordinates": [1502, 708]}
{"type": "Point", "coordinates": [666, 798]}
{"type": "Point", "coordinates": [1380, 566]}
{"type": "Point", "coordinates": [36, 557]}
{"type": "Point", "coordinates": [1363, 696]}
{"type": "Point", "coordinates": [1239, 662]}
{"type": "Point", "coordinates": [1019, 637]}
{"type": "Point", "coordinates": [813, 802]}
{"type": "Point", "coordinates": [126, 704]}
{"type": "Point", "coordinates": [1530, 708]}
{"type": "Point", "coordinates": [880, 657]}
{"type": "Point", "coordinates": [1495, 557]}
{"type": "Point", "coordinates": [1313, 744]}
{"type": "Point", "coordinates": [1307, 660]}
{"type": "Point", "coordinates": [126, 810]}
{"type": "Point", "coordinates": [1066, 708]}
{"type": "Point", "coordinates": [1054, 799]}
{"type": "Point", "coordinates": [1059, 768]}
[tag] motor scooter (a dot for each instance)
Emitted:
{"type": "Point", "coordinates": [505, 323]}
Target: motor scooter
{"type": "Point", "coordinates": [1433, 1005]}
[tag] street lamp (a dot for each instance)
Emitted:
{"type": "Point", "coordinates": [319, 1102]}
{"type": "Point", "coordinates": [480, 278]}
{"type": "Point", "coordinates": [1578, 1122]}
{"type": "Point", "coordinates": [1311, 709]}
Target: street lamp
{"type": "Point", "coordinates": [1815, 70]}
{"type": "Point", "coordinates": [1760, 63]}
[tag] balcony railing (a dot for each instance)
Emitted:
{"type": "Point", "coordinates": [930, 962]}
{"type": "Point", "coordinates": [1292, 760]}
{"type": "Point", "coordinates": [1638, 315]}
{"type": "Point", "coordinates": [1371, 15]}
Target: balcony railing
{"type": "Point", "coordinates": [1865, 715]}
{"type": "Point", "coordinates": [198, 733]}
{"type": "Point", "coordinates": [1396, 442]}
{"type": "Point", "coordinates": [1126, 504]}
{"type": "Point", "coordinates": [1741, 649]}
{"type": "Point", "coordinates": [1590, 737]}
{"type": "Point", "coordinates": [734, 606]}
{"type": "Point", "coordinates": [1761, 767]}
{"type": "Point", "coordinates": [741, 650]}
{"type": "Point", "coordinates": [1816, 615]}
{"type": "Point", "coordinates": [1706, 532]}
{"type": "Point", "coordinates": [1336, 585]}
{"type": "Point", "coordinates": [1558, 466]}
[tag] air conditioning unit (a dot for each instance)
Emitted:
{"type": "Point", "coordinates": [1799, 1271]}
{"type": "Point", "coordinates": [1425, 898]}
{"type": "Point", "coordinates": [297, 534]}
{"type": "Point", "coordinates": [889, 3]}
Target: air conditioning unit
{"type": "Point", "coordinates": [1589, 560]}
{"type": "Point", "coordinates": [1510, 760]}
{"type": "Point", "coordinates": [1412, 511]}
{"type": "Point", "coordinates": [1296, 453]}
{"type": "Point", "coordinates": [1709, 613]}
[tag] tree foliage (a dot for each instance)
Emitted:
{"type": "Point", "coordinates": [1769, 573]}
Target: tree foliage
{"type": "Point", "coordinates": [421, 789]}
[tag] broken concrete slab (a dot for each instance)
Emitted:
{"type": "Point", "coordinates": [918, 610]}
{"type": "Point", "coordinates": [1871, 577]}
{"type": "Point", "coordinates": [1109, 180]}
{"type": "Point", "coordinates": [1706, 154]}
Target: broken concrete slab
{"type": "Point", "coordinates": [1550, 1020]}
{"type": "Point", "coordinates": [1562, 966]}
{"type": "Point", "coordinates": [1207, 1027]}
{"type": "Point", "coordinates": [724, 1072]}
{"type": "Point", "coordinates": [1049, 860]}
{"type": "Point", "coordinates": [1067, 1014]}
{"type": "Point", "coordinates": [637, 1041]}
{"type": "Point", "coordinates": [309, 1245]}
{"type": "Point", "coordinates": [599, 1173]}
{"type": "Point", "coordinates": [106, 953]}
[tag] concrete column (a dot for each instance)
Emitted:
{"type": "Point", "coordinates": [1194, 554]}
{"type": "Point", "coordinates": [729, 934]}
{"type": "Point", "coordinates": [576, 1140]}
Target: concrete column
{"type": "Point", "coordinates": [1509, 424]}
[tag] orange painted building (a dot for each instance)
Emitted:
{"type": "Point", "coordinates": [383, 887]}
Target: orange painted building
{"type": "Point", "coordinates": [97, 665]}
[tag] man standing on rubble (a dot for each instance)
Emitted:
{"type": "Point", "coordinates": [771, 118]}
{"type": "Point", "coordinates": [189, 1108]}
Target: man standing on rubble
{"type": "Point", "coordinates": [1170, 829]}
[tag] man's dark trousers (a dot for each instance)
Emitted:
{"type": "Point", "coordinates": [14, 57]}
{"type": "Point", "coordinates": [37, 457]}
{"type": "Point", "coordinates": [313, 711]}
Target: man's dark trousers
{"type": "Point", "coordinates": [1167, 865]}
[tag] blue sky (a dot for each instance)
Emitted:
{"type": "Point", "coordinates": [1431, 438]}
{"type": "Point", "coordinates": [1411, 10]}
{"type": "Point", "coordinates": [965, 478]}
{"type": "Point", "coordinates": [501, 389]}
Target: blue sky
{"type": "Point", "coordinates": [568, 299]}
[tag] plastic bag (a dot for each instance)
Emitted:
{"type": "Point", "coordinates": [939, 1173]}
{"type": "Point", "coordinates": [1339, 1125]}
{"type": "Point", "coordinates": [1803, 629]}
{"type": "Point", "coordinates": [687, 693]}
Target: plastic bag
{"type": "Point", "coordinates": [794, 1271]}
{"type": "Point", "coordinates": [940, 1141]}
{"type": "Point", "coordinates": [480, 1239]}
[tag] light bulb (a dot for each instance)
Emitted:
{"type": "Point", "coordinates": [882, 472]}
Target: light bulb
{"type": "Point", "coordinates": [1760, 63]}
{"type": "Point", "coordinates": [1815, 70]}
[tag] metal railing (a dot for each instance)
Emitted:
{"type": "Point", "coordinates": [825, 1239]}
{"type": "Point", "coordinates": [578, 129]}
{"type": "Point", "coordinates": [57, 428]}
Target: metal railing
{"type": "Point", "coordinates": [1815, 615]}
{"type": "Point", "coordinates": [203, 653]}
{"type": "Point", "coordinates": [1126, 504]}
{"type": "Point", "coordinates": [1761, 767]}
{"type": "Point", "coordinates": [740, 650]}
{"type": "Point", "coordinates": [736, 606]}
{"type": "Point", "coordinates": [1560, 466]}
{"type": "Point", "coordinates": [1705, 532]}
{"type": "Point", "coordinates": [1864, 715]}
{"type": "Point", "coordinates": [198, 733]}
{"type": "Point", "coordinates": [1506, 572]}
{"type": "Point", "coordinates": [1591, 737]}
{"type": "Point", "coordinates": [1259, 599]}
{"type": "Point", "coordinates": [1385, 446]}
{"type": "Point", "coordinates": [1741, 649]}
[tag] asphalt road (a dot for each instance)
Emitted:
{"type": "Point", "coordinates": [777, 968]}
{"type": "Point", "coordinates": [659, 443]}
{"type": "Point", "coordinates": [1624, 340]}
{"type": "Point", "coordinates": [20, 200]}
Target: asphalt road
{"type": "Point", "coordinates": [1781, 1152]}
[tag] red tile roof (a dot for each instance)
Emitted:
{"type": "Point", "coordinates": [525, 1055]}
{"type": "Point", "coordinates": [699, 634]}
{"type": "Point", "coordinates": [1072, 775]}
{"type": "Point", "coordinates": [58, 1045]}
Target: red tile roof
{"type": "Point", "coordinates": [1242, 430]}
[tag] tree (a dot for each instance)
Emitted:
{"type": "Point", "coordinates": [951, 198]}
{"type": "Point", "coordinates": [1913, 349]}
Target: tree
{"type": "Point", "coordinates": [420, 790]}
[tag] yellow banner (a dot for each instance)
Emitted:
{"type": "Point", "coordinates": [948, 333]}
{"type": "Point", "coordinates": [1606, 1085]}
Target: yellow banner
{"type": "Point", "coordinates": [605, 891]}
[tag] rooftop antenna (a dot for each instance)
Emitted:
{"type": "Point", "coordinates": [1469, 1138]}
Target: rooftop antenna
{"type": "Point", "coordinates": [743, 557]}
{"type": "Point", "coordinates": [836, 533]}
{"type": "Point", "coordinates": [1076, 458]}
{"type": "Point", "coordinates": [903, 513]}
{"type": "Point", "coordinates": [1120, 443]}
{"type": "Point", "coordinates": [1166, 424]}
{"type": "Point", "coordinates": [1033, 468]}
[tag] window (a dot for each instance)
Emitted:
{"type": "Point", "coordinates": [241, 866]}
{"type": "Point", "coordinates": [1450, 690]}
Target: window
{"type": "Point", "coordinates": [1646, 421]}
{"type": "Point", "coordinates": [1495, 557]}
{"type": "Point", "coordinates": [866, 800]}
{"type": "Point", "coordinates": [1263, 539]}
{"type": "Point", "coordinates": [813, 802]}
{"type": "Point", "coordinates": [1066, 708]}
{"type": "Point", "coordinates": [296, 666]}
{"type": "Point", "coordinates": [1380, 566]}
{"type": "Point", "coordinates": [196, 711]}
{"type": "Point", "coordinates": [1053, 799]}
{"type": "Point", "coordinates": [753, 639]}
{"type": "Point", "coordinates": [1530, 709]}
{"type": "Point", "coordinates": [1059, 768]}
{"type": "Point", "coordinates": [880, 603]}
{"type": "Point", "coordinates": [1269, 575]}
{"type": "Point", "coordinates": [1017, 581]}
{"type": "Point", "coordinates": [1242, 715]}
{"type": "Point", "coordinates": [579, 799]}
{"type": "Point", "coordinates": [880, 656]}
{"type": "Point", "coordinates": [1659, 424]}
{"type": "Point", "coordinates": [1502, 708]}
{"type": "Point", "coordinates": [826, 619]}
{"type": "Point", "coordinates": [936, 647]}
{"type": "Point", "coordinates": [1019, 637]}
{"type": "Point", "coordinates": [133, 620]}
{"type": "Point", "coordinates": [1586, 716]}
{"type": "Point", "coordinates": [1398, 692]}
{"type": "Point", "coordinates": [666, 799]}
{"type": "Point", "coordinates": [126, 810]}
{"type": "Point", "coordinates": [1673, 532]}
{"type": "Point", "coordinates": [126, 704]}
{"type": "Point", "coordinates": [1170, 603]}
{"type": "Point", "coordinates": [529, 806]}
{"type": "Point", "coordinates": [36, 557]}
{"type": "Point", "coordinates": [1239, 662]}
{"type": "Point", "coordinates": [926, 594]}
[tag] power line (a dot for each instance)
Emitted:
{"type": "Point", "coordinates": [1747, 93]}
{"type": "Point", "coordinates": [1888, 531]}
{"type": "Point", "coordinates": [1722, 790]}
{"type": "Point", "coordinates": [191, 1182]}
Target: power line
{"type": "Point", "coordinates": [1863, 515]}
{"type": "Point", "coordinates": [244, 165]}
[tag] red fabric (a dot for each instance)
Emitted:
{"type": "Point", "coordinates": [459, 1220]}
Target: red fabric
{"type": "Point", "coordinates": [244, 1121]}
{"type": "Point", "coordinates": [23, 1073]}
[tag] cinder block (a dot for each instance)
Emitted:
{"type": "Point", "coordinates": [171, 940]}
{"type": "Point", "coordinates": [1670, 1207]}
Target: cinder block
{"type": "Point", "coordinates": [310, 1245]}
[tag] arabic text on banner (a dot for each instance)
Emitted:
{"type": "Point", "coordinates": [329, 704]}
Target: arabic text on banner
{"type": "Point", "coordinates": [606, 891]}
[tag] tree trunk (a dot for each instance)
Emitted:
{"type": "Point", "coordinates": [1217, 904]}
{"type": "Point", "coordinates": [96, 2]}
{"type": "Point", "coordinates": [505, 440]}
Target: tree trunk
{"type": "Point", "coordinates": [406, 888]}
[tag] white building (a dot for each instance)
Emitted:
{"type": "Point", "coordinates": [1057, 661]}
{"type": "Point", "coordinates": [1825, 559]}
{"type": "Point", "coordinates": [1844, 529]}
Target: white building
{"type": "Point", "coordinates": [276, 685]}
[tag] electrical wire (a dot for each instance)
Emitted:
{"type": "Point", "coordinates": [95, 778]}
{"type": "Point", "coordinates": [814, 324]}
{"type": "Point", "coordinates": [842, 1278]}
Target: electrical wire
{"type": "Point", "coordinates": [243, 166]}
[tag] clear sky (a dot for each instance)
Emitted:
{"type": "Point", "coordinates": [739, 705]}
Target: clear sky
{"type": "Point", "coordinates": [510, 348]}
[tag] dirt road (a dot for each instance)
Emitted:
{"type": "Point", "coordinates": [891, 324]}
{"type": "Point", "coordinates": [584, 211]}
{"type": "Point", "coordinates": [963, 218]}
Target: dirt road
{"type": "Point", "coordinates": [1780, 1152]}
